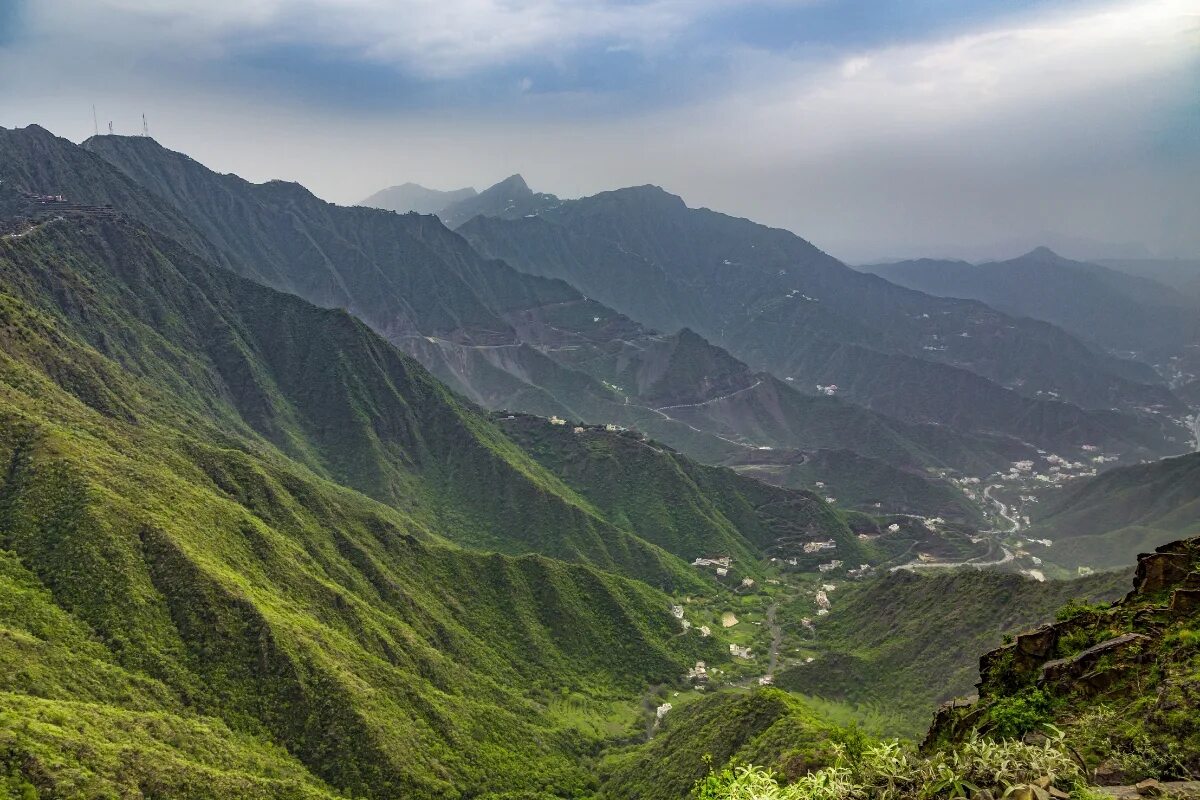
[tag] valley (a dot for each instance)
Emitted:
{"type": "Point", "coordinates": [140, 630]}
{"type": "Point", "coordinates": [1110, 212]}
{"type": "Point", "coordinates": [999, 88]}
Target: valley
{"type": "Point", "coordinates": [590, 498]}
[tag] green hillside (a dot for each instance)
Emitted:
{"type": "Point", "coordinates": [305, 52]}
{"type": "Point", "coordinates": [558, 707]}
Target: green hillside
{"type": "Point", "coordinates": [506, 339]}
{"type": "Point", "coordinates": [765, 726]}
{"type": "Point", "coordinates": [192, 601]}
{"type": "Point", "coordinates": [864, 484]}
{"type": "Point", "coordinates": [1109, 519]}
{"type": "Point", "coordinates": [1117, 681]}
{"type": "Point", "coordinates": [906, 642]}
{"type": "Point", "coordinates": [688, 508]}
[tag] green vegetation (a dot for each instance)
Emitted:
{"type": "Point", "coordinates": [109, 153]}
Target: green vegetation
{"type": "Point", "coordinates": [765, 726]}
{"type": "Point", "coordinates": [684, 507]}
{"type": "Point", "coordinates": [1119, 682]}
{"type": "Point", "coordinates": [225, 521]}
{"type": "Point", "coordinates": [861, 483]}
{"type": "Point", "coordinates": [250, 549]}
{"type": "Point", "coordinates": [908, 641]}
{"type": "Point", "coordinates": [1107, 520]}
{"type": "Point", "coordinates": [889, 772]}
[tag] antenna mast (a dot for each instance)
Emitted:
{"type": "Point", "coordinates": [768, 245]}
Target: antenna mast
{"type": "Point", "coordinates": [95, 122]}
{"type": "Point", "coordinates": [145, 127]}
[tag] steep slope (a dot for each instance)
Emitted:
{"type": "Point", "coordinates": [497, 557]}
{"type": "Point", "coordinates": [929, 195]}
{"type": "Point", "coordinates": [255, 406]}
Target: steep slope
{"type": "Point", "coordinates": [766, 726]}
{"type": "Point", "coordinates": [380, 423]}
{"type": "Point", "coordinates": [1117, 311]}
{"type": "Point", "coordinates": [779, 304]}
{"type": "Point", "coordinates": [1109, 519]}
{"type": "Point", "coordinates": [414, 197]}
{"type": "Point", "coordinates": [503, 339]}
{"type": "Point", "coordinates": [171, 432]}
{"type": "Point", "coordinates": [862, 483]}
{"type": "Point", "coordinates": [701, 511]}
{"type": "Point", "coordinates": [907, 642]}
{"type": "Point", "coordinates": [1118, 681]}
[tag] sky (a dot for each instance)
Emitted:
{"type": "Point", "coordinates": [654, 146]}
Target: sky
{"type": "Point", "coordinates": [876, 129]}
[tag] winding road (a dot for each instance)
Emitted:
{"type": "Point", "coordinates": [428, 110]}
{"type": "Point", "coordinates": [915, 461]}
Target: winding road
{"type": "Point", "coordinates": [1001, 508]}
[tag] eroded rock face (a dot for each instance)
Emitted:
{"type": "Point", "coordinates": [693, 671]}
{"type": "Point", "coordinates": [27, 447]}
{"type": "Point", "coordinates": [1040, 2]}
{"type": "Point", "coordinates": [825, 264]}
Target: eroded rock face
{"type": "Point", "coordinates": [1158, 571]}
{"type": "Point", "coordinates": [1080, 665]}
{"type": "Point", "coordinates": [1185, 601]}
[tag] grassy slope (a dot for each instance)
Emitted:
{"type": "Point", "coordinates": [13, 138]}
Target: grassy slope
{"type": "Point", "coordinates": [691, 509]}
{"type": "Point", "coordinates": [859, 483]}
{"type": "Point", "coordinates": [170, 434]}
{"type": "Point", "coordinates": [765, 726]}
{"type": "Point", "coordinates": [1130, 711]}
{"type": "Point", "coordinates": [317, 385]}
{"type": "Point", "coordinates": [909, 642]}
{"type": "Point", "coordinates": [1111, 518]}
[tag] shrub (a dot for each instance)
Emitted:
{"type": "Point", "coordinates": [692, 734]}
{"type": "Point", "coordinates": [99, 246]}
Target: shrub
{"type": "Point", "coordinates": [1015, 716]}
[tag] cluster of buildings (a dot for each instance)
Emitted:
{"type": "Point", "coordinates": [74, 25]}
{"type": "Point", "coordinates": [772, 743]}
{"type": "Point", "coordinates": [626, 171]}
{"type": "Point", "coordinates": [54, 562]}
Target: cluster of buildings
{"type": "Point", "coordinates": [722, 564]}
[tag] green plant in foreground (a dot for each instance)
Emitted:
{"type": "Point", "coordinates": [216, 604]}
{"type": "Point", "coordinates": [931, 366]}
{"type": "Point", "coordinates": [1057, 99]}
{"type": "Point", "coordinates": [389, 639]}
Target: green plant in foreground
{"type": "Point", "coordinates": [1016, 716]}
{"type": "Point", "coordinates": [887, 771]}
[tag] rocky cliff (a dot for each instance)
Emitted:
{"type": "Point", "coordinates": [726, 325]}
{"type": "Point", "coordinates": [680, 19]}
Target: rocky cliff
{"type": "Point", "coordinates": [1120, 683]}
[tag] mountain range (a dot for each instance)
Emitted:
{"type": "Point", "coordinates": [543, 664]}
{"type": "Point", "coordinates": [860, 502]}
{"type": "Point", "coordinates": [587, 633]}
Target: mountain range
{"type": "Point", "coordinates": [1116, 311]}
{"type": "Point", "coordinates": [782, 306]}
{"type": "Point", "coordinates": [306, 501]}
{"type": "Point", "coordinates": [504, 339]}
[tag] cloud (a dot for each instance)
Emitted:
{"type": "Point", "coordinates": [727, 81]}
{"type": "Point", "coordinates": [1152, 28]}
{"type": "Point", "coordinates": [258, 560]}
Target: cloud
{"type": "Point", "coordinates": [433, 38]}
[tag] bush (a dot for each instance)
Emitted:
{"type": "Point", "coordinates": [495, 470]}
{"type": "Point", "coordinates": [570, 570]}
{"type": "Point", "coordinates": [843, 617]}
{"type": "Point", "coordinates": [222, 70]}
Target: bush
{"type": "Point", "coordinates": [1013, 717]}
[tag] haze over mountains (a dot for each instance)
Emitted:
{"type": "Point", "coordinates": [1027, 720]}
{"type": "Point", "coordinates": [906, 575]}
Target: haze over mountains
{"type": "Point", "coordinates": [1101, 305]}
{"type": "Point", "coordinates": [529, 496]}
{"type": "Point", "coordinates": [413, 197]}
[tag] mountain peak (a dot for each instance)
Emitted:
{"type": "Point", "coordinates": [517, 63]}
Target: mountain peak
{"type": "Point", "coordinates": [513, 184]}
{"type": "Point", "coordinates": [1043, 253]}
{"type": "Point", "coordinates": [648, 194]}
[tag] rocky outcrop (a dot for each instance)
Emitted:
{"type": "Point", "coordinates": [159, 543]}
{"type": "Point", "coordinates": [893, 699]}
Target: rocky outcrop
{"type": "Point", "coordinates": [1091, 652]}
